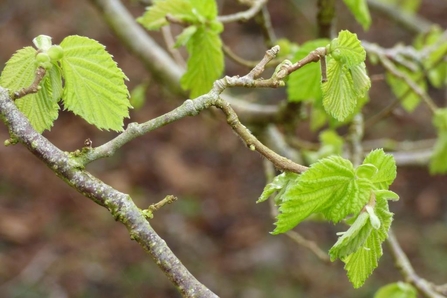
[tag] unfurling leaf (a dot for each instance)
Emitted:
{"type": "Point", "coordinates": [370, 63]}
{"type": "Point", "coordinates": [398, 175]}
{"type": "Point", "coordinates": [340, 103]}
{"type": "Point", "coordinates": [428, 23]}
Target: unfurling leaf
{"type": "Point", "coordinates": [329, 187]}
{"type": "Point", "coordinates": [94, 85]}
{"type": "Point", "coordinates": [339, 93]}
{"type": "Point", "coordinates": [279, 183]}
{"type": "Point", "coordinates": [347, 49]}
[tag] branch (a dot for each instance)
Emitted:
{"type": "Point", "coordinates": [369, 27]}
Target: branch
{"type": "Point", "coordinates": [407, 271]}
{"type": "Point", "coordinates": [160, 64]}
{"type": "Point", "coordinates": [244, 15]}
{"type": "Point", "coordinates": [34, 87]}
{"type": "Point", "coordinates": [119, 204]}
{"type": "Point", "coordinates": [411, 22]}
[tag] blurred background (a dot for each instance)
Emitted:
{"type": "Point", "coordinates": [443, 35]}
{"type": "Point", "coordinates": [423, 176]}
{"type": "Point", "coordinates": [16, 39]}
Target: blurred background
{"type": "Point", "coordinates": [56, 243]}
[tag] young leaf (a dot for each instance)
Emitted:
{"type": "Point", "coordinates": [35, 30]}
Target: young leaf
{"type": "Point", "coordinates": [361, 80]}
{"type": "Point", "coordinates": [305, 83]}
{"type": "Point", "coordinates": [339, 93]}
{"type": "Point", "coordinates": [359, 9]}
{"type": "Point", "coordinates": [183, 38]}
{"type": "Point", "coordinates": [360, 264]}
{"type": "Point", "coordinates": [347, 49]}
{"type": "Point", "coordinates": [205, 63]}
{"type": "Point", "coordinates": [206, 8]}
{"type": "Point", "coordinates": [329, 187]}
{"type": "Point", "coordinates": [353, 238]}
{"type": "Point", "coordinates": [386, 168]}
{"type": "Point", "coordinates": [19, 71]}
{"type": "Point", "coordinates": [155, 16]}
{"type": "Point", "coordinates": [278, 183]}
{"type": "Point", "coordinates": [396, 290]}
{"type": "Point", "coordinates": [94, 85]}
{"type": "Point", "coordinates": [40, 108]}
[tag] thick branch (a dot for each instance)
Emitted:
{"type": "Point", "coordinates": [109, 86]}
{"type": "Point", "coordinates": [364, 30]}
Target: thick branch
{"type": "Point", "coordinates": [119, 204]}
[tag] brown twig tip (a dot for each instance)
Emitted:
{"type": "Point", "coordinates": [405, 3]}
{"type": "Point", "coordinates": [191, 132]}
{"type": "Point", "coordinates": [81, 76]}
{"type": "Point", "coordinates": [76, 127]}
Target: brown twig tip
{"type": "Point", "coordinates": [167, 200]}
{"type": "Point", "coordinates": [171, 19]}
{"type": "Point", "coordinates": [33, 88]}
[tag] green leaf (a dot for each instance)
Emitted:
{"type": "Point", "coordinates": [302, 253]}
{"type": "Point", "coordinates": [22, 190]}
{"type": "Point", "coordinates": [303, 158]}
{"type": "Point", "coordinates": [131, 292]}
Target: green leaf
{"type": "Point", "coordinates": [434, 64]}
{"type": "Point", "coordinates": [206, 8]}
{"type": "Point", "coordinates": [339, 93]}
{"type": "Point", "coordinates": [94, 85]}
{"type": "Point", "coordinates": [305, 83]}
{"type": "Point", "coordinates": [386, 195]}
{"type": "Point", "coordinates": [19, 71]}
{"type": "Point", "coordinates": [386, 168]}
{"type": "Point", "coordinates": [205, 63]}
{"type": "Point", "coordinates": [360, 264]}
{"type": "Point", "coordinates": [138, 95]}
{"type": "Point", "coordinates": [40, 108]}
{"type": "Point", "coordinates": [359, 9]}
{"type": "Point", "coordinates": [366, 171]}
{"type": "Point", "coordinates": [328, 187]}
{"type": "Point", "coordinates": [278, 183]}
{"type": "Point", "coordinates": [347, 49]}
{"type": "Point", "coordinates": [183, 38]}
{"type": "Point", "coordinates": [409, 99]}
{"type": "Point", "coordinates": [438, 160]}
{"type": "Point", "coordinates": [155, 16]}
{"type": "Point", "coordinates": [361, 80]}
{"type": "Point", "coordinates": [353, 238]}
{"type": "Point", "coordinates": [396, 290]}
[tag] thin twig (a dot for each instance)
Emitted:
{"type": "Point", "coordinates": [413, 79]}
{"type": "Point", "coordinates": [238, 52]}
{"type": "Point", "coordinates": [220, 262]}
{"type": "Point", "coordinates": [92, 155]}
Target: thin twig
{"type": "Point", "coordinates": [169, 40]}
{"type": "Point", "coordinates": [169, 199]}
{"type": "Point", "coordinates": [296, 237]}
{"type": "Point", "coordinates": [263, 19]}
{"type": "Point", "coordinates": [244, 16]}
{"type": "Point", "coordinates": [355, 136]}
{"type": "Point", "coordinates": [239, 60]}
{"type": "Point", "coordinates": [407, 271]}
{"type": "Point", "coordinates": [34, 87]}
{"type": "Point", "coordinates": [411, 22]}
{"type": "Point", "coordinates": [311, 245]}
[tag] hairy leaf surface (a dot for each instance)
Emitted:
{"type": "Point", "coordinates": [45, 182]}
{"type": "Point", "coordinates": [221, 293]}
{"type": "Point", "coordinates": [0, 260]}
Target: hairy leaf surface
{"type": "Point", "coordinates": [386, 168]}
{"type": "Point", "coordinates": [328, 187]}
{"type": "Point", "coordinates": [339, 93]}
{"type": "Point", "coordinates": [347, 49]}
{"type": "Point", "coordinates": [205, 63]}
{"type": "Point", "coordinates": [94, 85]}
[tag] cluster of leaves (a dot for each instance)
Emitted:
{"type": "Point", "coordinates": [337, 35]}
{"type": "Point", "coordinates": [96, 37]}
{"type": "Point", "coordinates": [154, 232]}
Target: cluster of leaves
{"type": "Point", "coordinates": [335, 189]}
{"type": "Point", "coordinates": [79, 72]}
{"type": "Point", "coordinates": [201, 36]}
{"type": "Point", "coordinates": [347, 84]}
